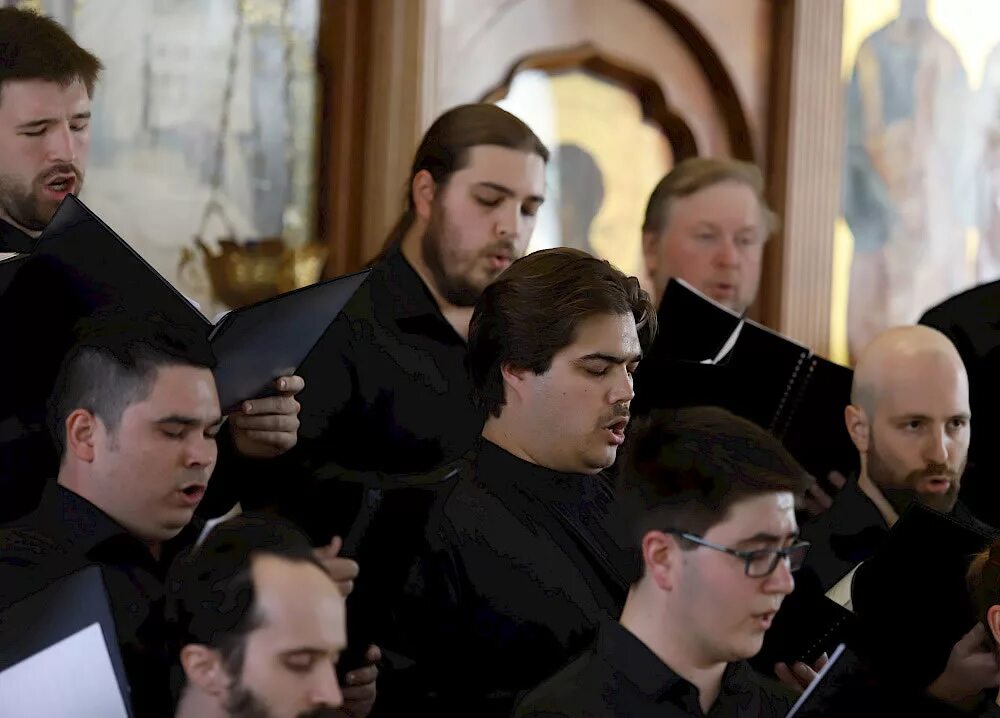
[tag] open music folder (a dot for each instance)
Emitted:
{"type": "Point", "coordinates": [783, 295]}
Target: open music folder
{"type": "Point", "coordinates": [80, 267]}
{"type": "Point", "coordinates": [706, 354]}
{"type": "Point", "coordinates": [59, 653]}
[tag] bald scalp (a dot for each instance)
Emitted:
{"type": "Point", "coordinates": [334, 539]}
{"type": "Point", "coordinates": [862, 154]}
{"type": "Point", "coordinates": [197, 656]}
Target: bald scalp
{"type": "Point", "coordinates": [891, 350]}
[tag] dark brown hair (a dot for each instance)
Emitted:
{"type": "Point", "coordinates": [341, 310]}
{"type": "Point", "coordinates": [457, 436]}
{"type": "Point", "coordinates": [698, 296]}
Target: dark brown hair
{"type": "Point", "coordinates": [983, 579]}
{"type": "Point", "coordinates": [445, 149]}
{"type": "Point", "coordinates": [684, 469]}
{"type": "Point", "coordinates": [534, 308]}
{"type": "Point", "coordinates": [35, 47]}
{"type": "Point", "coordinates": [695, 174]}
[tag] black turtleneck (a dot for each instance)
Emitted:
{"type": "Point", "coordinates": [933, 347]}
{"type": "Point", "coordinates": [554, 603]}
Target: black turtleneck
{"type": "Point", "coordinates": [517, 567]}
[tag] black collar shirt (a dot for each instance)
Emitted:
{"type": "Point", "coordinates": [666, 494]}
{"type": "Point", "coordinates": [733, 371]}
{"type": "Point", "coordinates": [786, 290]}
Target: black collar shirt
{"type": "Point", "coordinates": [620, 676]}
{"type": "Point", "coordinates": [67, 533]}
{"type": "Point", "coordinates": [387, 391]}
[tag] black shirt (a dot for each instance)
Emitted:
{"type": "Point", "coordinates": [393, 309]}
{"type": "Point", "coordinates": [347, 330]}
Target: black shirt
{"type": "Point", "coordinates": [851, 531]}
{"type": "Point", "coordinates": [517, 567]}
{"type": "Point", "coordinates": [386, 391]}
{"type": "Point", "coordinates": [66, 533]}
{"type": "Point", "coordinates": [620, 676]}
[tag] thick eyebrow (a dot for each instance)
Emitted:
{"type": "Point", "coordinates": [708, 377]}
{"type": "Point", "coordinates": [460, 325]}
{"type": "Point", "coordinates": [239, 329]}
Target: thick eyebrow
{"type": "Point", "coordinates": [508, 192]}
{"type": "Point", "coordinates": [187, 420]}
{"type": "Point", "coordinates": [35, 124]}
{"type": "Point", "coordinates": [764, 537]}
{"type": "Point", "coordinates": [611, 358]}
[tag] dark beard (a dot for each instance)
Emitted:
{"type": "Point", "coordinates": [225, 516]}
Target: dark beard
{"type": "Point", "coordinates": [455, 290]}
{"type": "Point", "coordinates": [901, 495]}
{"type": "Point", "coordinates": [24, 207]}
{"type": "Point", "coordinates": [242, 703]}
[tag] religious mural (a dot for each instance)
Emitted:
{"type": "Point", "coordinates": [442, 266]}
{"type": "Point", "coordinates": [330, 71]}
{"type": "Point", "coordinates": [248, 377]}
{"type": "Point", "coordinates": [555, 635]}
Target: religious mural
{"type": "Point", "coordinates": [204, 123]}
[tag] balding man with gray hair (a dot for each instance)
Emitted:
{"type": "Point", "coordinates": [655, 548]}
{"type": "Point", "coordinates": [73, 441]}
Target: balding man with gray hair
{"type": "Point", "coordinates": [910, 420]}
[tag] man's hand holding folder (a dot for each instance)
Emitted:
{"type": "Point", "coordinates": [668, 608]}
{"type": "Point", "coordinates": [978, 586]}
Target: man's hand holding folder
{"type": "Point", "coordinates": [268, 427]}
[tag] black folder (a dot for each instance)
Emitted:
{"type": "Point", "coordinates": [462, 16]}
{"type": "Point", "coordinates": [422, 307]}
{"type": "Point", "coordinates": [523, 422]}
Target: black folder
{"type": "Point", "coordinates": [912, 598]}
{"type": "Point", "coordinates": [58, 611]}
{"type": "Point", "coordinates": [80, 267]}
{"type": "Point", "coordinates": [754, 372]}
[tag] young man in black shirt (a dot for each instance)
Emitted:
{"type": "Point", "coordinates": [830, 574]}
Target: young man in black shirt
{"type": "Point", "coordinates": [386, 387]}
{"type": "Point", "coordinates": [710, 504]}
{"type": "Point", "coordinates": [516, 563]}
{"type": "Point", "coordinates": [135, 415]}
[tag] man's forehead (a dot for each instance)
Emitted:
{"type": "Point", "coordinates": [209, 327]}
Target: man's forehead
{"type": "Point", "coordinates": [771, 513]}
{"type": "Point", "coordinates": [606, 333]}
{"type": "Point", "coordinates": [33, 99]}
{"type": "Point", "coordinates": [521, 171]}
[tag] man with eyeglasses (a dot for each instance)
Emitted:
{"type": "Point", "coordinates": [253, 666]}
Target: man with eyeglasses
{"type": "Point", "coordinates": [710, 506]}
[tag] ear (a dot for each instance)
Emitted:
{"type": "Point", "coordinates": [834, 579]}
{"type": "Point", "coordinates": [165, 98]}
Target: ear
{"type": "Point", "coordinates": [514, 379]}
{"type": "Point", "coordinates": [204, 670]}
{"type": "Point", "coordinates": [993, 623]}
{"type": "Point", "coordinates": [423, 189]}
{"type": "Point", "coordinates": [651, 250]}
{"type": "Point", "coordinates": [858, 427]}
{"type": "Point", "coordinates": [661, 556]}
{"type": "Point", "coordinates": [81, 432]}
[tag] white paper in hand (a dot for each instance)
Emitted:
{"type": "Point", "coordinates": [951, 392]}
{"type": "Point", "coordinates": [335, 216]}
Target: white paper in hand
{"type": "Point", "coordinates": [70, 678]}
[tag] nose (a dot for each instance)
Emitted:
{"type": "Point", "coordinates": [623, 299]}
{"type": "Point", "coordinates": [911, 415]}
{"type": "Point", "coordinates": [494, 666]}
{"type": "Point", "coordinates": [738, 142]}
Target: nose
{"type": "Point", "coordinates": [622, 389]}
{"type": "Point", "coordinates": [509, 220]}
{"type": "Point", "coordinates": [936, 448]}
{"type": "Point", "coordinates": [61, 145]}
{"type": "Point", "coordinates": [781, 580]}
{"type": "Point", "coordinates": [325, 691]}
{"type": "Point", "coordinates": [727, 255]}
{"type": "Point", "coordinates": [201, 452]}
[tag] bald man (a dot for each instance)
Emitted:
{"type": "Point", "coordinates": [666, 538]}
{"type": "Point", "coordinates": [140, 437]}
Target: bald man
{"type": "Point", "coordinates": [909, 418]}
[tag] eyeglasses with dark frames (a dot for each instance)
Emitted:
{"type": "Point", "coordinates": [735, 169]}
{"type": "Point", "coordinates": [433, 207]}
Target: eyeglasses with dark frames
{"type": "Point", "coordinates": [757, 563]}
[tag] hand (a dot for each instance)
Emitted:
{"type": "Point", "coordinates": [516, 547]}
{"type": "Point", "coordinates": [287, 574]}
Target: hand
{"type": "Point", "coordinates": [799, 676]}
{"type": "Point", "coordinates": [342, 570]}
{"type": "Point", "coordinates": [816, 500]}
{"type": "Point", "coordinates": [972, 667]}
{"type": "Point", "coordinates": [268, 427]}
{"type": "Point", "coordinates": [359, 687]}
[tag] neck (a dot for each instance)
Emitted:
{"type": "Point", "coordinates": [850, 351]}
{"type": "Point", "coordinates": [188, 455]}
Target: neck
{"type": "Point", "coordinates": [665, 635]}
{"type": "Point", "coordinates": [458, 317]}
{"type": "Point", "coordinates": [33, 233]}
{"type": "Point", "coordinates": [197, 704]}
{"type": "Point", "coordinates": [502, 431]}
{"type": "Point", "coordinates": [875, 495]}
{"type": "Point", "coordinates": [72, 481]}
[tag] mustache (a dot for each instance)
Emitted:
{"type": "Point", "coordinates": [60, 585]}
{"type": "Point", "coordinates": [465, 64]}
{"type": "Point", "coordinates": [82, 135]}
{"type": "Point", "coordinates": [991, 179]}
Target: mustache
{"type": "Point", "coordinates": [320, 712]}
{"type": "Point", "coordinates": [932, 470]}
{"type": "Point", "coordinates": [59, 170]}
{"type": "Point", "coordinates": [502, 246]}
{"type": "Point", "coordinates": [620, 411]}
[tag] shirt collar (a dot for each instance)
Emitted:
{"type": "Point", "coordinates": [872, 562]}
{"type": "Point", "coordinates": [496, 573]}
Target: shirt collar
{"type": "Point", "coordinates": [76, 523]}
{"type": "Point", "coordinates": [411, 297]}
{"type": "Point", "coordinates": [654, 678]}
{"type": "Point", "coordinates": [496, 466]}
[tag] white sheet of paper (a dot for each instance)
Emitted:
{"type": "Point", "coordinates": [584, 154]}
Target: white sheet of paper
{"type": "Point", "coordinates": [71, 678]}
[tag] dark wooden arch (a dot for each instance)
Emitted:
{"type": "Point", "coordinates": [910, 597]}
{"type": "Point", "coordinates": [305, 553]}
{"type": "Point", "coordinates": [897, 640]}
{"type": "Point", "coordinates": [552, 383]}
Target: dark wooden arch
{"type": "Point", "coordinates": [585, 57]}
{"type": "Point", "coordinates": [719, 80]}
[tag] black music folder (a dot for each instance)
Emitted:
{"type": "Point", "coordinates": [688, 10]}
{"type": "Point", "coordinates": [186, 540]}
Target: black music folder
{"type": "Point", "coordinates": [66, 609]}
{"type": "Point", "coordinates": [911, 597]}
{"type": "Point", "coordinates": [80, 267]}
{"type": "Point", "coordinates": [704, 354]}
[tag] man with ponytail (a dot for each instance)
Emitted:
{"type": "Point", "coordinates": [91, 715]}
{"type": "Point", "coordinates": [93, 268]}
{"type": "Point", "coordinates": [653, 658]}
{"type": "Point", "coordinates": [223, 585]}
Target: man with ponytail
{"type": "Point", "coordinates": [387, 388]}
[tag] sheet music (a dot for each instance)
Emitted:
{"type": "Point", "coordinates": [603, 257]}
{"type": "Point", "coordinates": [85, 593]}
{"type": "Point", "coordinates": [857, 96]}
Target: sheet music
{"type": "Point", "coordinates": [73, 677]}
